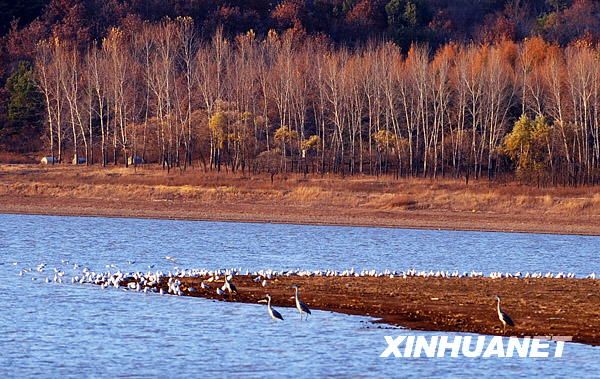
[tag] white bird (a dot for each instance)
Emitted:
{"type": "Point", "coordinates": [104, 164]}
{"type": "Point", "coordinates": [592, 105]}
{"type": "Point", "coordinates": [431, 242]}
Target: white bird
{"type": "Point", "coordinates": [220, 292]}
{"type": "Point", "coordinates": [272, 312]}
{"type": "Point", "coordinates": [302, 308]}
{"type": "Point", "coordinates": [205, 286]}
{"type": "Point", "coordinates": [171, 259]}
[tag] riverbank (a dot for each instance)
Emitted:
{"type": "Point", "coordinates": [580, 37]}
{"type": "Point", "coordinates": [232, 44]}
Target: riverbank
{"type": "Point", "coordinates": [539, 307]}
{"type": "Point", "coordinates": [150, 192]}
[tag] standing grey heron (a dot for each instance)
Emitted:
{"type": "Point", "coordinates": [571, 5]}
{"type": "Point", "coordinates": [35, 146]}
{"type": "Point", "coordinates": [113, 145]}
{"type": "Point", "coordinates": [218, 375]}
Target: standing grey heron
{"type": "Point", "coordinates": [272, 312]}
{"type": "Point", "coordinates": [229, 286]}
{"type": "Point", "coordinates": [504, 318]}
{"type": "Point", "coordinates": [302, 308]}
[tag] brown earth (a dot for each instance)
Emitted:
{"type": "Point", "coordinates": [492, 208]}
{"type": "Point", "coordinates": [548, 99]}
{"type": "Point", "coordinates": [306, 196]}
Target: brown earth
{"type": "Point", "coordinates": [149, 192]}
{"type": "Point", "coordinates": [539, 307]}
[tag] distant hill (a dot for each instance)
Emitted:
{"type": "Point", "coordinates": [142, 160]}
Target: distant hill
{"type": "Point", "coordinates": [416, 87]}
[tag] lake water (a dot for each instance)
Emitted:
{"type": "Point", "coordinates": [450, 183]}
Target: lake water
{"type": "Point", "coordinates": [53, 330]}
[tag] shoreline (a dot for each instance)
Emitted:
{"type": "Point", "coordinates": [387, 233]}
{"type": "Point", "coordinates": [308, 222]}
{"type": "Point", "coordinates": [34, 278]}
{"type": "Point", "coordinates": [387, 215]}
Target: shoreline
{"type": "Point", "coordinates": [411, 203]}
{"type": "Point", "coordinates": [246, 212]}
{"type": "Point", "coordinates": [539, 307]}
{"type": "Point", "coordinates": [559, 307]}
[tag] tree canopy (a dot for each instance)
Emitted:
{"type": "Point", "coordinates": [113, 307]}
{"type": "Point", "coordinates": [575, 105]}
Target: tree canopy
{"type": "Point", "coordinates": [22, 121]}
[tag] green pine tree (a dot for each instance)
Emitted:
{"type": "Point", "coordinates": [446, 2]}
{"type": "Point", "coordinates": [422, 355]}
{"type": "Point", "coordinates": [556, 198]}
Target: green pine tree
{"type": "Point", "coordinates": [24, 109]}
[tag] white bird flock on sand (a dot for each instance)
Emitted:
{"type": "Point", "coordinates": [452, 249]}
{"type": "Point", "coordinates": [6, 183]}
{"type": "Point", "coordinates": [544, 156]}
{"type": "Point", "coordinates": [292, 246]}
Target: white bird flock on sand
{"type": "Point", "coordinates": [154, 281]}
{"type": "Point", "coordinates": [85, 275]}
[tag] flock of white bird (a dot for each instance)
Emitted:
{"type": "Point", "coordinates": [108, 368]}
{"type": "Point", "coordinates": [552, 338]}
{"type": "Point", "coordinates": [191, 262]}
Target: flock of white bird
{"type": "Point", "coordinates": [151, 281]}
{"type": "Point", "coordinates": [151, 278]}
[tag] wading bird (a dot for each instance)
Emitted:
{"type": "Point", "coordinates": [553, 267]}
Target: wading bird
{"type": "Point", "coordinates": [504, 318]}
{"type": "Point", "coordinates": [228, 286]}
{"type": "Point", "coordinates": [272, 312]}
{"type": "Point", "coordinates": [302, 308]}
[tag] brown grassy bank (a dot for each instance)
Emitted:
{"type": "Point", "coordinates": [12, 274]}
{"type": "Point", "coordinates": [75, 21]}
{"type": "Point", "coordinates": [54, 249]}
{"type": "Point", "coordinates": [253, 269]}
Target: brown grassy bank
{"type": "Point", "coordinates": [539, 307]}
{"type": "Point", "coordinates": [149, 191]}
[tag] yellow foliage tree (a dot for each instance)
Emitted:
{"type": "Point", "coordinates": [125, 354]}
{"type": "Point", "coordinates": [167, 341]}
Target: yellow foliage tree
{"type": "Point", "coordinates": [527, 145]}
{"type": "Point", "coordinates": [218, 125]}
{"type": "Point", "coordinates": [313, 143]}
{"type": "Point", "coordinates": [385, 140]}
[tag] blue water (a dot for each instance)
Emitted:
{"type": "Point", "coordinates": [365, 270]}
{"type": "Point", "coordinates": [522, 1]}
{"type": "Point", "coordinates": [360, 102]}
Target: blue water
{"type": "Point", "coordinates": [53, 330]}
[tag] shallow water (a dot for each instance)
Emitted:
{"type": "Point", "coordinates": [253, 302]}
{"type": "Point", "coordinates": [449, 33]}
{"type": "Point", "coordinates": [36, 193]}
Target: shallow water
{"type": "Point", "coordinates": [52, 330]}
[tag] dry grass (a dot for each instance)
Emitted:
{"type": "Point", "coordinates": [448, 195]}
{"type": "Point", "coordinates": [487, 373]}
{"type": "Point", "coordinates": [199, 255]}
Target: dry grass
{"type": "Point", "coordinates": [392, 201]}
{"type": "Point", "coordinates": [385, 193]}
{"type": "Point", "coordinates": [14, 158]}
{"type": "Point", "coordinates": [306, 193]}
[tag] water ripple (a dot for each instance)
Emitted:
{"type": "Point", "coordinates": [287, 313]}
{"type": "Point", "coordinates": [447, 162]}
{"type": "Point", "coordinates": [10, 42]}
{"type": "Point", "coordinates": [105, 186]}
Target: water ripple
{"type": "Point", "coordinates": [51, 330]}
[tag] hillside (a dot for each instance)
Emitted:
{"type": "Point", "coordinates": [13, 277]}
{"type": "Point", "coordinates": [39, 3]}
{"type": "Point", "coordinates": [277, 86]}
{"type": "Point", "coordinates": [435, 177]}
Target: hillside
{"type": "Point", "coordinates": [412, 88]}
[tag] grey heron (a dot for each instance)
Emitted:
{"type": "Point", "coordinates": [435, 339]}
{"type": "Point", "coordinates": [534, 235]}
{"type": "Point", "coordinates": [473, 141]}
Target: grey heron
{"type": "Point", "coordinates": [302, 308]}
{"type": "Point", "coordinates": [228, 286]}
{"type": "Point", "coordinates": [272, 312]}
{"type": "Point", "coordinates": [504, 318]}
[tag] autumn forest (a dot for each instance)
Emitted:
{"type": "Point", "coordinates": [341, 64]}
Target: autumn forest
{"type": "Point", "coordinates": [383, 88]}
